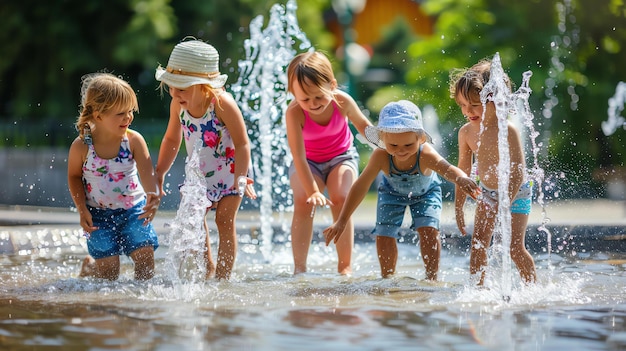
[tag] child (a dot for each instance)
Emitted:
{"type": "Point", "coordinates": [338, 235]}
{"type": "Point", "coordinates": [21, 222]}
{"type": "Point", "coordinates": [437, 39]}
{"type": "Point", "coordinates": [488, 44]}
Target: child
{"type": "Point", "coordinates": [408, 164]}
{"type": "Point", "coordinates": [479, 138]}
{"type": "Point", "coordinates": [109, 167]}
{"type": "Point", "coordinates": [323, 154]}
{"type": "Point", "coordinates": [201, 109]}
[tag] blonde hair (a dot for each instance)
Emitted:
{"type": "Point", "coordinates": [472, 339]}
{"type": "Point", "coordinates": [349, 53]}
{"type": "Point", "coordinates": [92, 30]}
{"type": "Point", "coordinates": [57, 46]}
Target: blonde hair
{"type": "Point", "coordinates": [311, 69]}
{"type": "Point", "coordinates": [207, 90]}
{"type": "Point", "coordinates": [469, 82]}
{"type": "Point", "coordinates": [100, 92]}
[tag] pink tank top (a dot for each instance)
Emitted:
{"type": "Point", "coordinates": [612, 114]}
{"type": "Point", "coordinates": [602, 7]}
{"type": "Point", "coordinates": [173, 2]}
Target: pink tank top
{"type": "Point", "coordinates": [323, 143]}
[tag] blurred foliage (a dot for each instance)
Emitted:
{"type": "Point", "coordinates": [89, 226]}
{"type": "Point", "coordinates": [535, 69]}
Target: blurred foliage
{"type": "Point", "coordinates": [575, 49]}
{"type": "Point", "coordinates": [48, 46]}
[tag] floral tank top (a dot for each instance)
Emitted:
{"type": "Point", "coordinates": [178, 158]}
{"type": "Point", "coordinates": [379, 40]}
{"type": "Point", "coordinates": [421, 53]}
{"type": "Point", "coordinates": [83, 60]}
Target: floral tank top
{"type": "Point", "coordinates": [217, 153]}
{"type": "Point", "coordinates": [112, 183]}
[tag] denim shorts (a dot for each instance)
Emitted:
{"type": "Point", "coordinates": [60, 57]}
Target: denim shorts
{"type": "Point", "coordinates": [349, 158]}
{"type": "Point", "coordinates": [119, 232]}
{"type": "Point", "coordinates": [425, 211]}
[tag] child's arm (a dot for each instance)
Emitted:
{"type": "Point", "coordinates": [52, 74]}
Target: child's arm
{"type": "Point", "coordinates": [228, 112]}
{"type": "Point", "coordinates": [350, 109]}
{"type": "Point", "coordinates": [75, 160]}
{"type": "Point", "coordinates": [357, 192]}
{"type": "Point", "coordinates": [141, 155]}
{"type": "Point", "coordinates": [294, 119]}
{"type": "Point", "coordinates": [465, 164]}
{"type": "Point", "coordinates": [430, 158]}
{"type": "Point", "coordinates": [169, 146]}
{"type": "Point", "coordinates": [518, 163]}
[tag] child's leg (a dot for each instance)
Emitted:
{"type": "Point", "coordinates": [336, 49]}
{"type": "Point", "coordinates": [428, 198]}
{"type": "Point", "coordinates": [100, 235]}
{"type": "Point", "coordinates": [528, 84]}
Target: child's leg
{"type": "Point", "coordinates": [144, 262]}
{"type": "Point", "coordinates": [104, 268]}
{"type": "Point", "coordinates": [339, 182]}
{"type": "Point", "coordinates": [522, 258]}
{"type": "Point", "coordinates": [301, 226]}
{"type": "Point", "coordinates": [430, 246]}
{"type": "Point", "coordinates": [387, 250]}
{"type": "Point", "coordinates": [225, 216]}
{"type": "Point", "coordinates": [208, 257]}
{"type": "Point", "coordinates": [484, 223]}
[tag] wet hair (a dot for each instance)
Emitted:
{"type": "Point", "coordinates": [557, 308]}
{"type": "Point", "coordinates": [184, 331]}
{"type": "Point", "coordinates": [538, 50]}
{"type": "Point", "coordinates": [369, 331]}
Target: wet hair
{"type": "Point", "coordinates": [101, 92]}
{"type": "Point", "coordinates": [311, 69]}
{"type": "Point", "coordinates": [469, 82]}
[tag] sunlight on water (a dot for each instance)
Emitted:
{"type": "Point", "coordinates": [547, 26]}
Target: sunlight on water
{"type": "Point", "coordinates": [264, 305]}
{"type": "Point", "coordinates": [577, 303]}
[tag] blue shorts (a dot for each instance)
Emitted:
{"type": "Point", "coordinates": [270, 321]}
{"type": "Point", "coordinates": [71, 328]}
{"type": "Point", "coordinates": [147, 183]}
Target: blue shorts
{"type": "Point", "coordinates": [322, 169]}
{"type": "Point", "coordinates": [119, 232]}
{"type": "Point", "coordinates": [425, 211]}
{"type": "Point", "coordinates": [522, 203]}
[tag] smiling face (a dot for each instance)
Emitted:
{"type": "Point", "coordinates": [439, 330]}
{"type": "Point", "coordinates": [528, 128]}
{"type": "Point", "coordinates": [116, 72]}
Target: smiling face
{"type": "Point", "coordinates": [115, 121]}
{"type": "Point", "coordinates": [192, 99]}
{"type": "Point", "coordinates": [472, 109]}
{"type": "Point", "coordinates": [312, 98]}
{"type": "Point", "coordinates": [402, 146]}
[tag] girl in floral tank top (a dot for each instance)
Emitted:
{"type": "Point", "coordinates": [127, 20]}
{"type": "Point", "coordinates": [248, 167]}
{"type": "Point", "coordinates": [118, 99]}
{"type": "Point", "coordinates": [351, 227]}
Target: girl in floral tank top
{"type": "Point", "coordinates": [217, 155]}
{"type": "Point", "coordinates": [202, 110]}
{"type": "Point", "coordinates": [109, 171]}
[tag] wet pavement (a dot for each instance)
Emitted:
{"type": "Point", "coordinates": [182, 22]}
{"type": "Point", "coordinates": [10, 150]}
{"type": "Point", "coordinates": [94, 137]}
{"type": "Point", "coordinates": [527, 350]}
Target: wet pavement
{"type": "Point", "coordinates": [572, 225]}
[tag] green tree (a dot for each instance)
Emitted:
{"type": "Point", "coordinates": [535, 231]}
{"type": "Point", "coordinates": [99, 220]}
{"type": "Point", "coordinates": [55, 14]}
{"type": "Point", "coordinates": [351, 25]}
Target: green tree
{"type": "Point", "coordinates": [572, 48]}
{"type": "Point", "coordinates": [48, 46]}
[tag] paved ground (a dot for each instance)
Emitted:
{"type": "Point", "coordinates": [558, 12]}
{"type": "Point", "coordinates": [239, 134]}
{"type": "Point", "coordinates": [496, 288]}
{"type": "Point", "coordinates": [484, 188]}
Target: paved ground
{"type": "Point", "coordinates": [587, 219]}
{"type": "Point", "coordinates": [568, 212]}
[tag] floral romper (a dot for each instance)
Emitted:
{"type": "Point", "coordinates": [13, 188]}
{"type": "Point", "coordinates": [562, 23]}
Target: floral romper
{"type": "Point", "coordinates": [217, 153]}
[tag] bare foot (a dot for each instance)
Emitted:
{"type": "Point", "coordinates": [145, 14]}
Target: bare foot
{"type": "Point", "coordinates": [346, 271]}
{"type": "Point", "coordinates": [88, 269]}
{"type": "Point", "coordinates": [210, 271]}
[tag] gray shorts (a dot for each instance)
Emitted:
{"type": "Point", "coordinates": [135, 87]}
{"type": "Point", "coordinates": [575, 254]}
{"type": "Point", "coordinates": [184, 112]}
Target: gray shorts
{"type": "Point", "coordinates": [349, 158]}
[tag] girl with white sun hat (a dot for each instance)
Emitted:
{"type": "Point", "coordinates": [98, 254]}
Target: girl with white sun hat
{"type": "Point", "coordinates": [202, 112]}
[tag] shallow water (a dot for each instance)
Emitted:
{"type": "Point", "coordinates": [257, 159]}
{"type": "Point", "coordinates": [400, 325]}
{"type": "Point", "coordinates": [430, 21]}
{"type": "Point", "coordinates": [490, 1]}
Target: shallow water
{"type": "Point", "coordinates": [578, 304]}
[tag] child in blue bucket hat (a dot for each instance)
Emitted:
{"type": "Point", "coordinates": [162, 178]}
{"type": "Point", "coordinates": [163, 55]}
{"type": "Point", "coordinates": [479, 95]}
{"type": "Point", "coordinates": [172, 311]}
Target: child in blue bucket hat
{"type": "Point", "coordinates": [410, 166]}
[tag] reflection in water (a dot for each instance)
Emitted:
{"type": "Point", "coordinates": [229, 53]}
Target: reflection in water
{"type": "Point", "coordinates": [263, 307]}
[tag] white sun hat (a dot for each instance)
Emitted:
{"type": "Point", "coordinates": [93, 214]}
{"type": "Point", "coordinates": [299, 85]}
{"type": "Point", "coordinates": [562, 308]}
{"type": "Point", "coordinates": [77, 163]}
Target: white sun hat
{"type": "Point", "coordinates": [192, 62]}
{"type": "Point", "coordinates": [396, 117]}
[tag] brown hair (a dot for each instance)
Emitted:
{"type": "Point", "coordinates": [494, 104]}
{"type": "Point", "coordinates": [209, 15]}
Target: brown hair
{"type": "Point", "coordinates": [101, 92]}
{"type": "Point", "coordinates": [470, 82]}
{"type": "Point", "coordinates": [310, 68]}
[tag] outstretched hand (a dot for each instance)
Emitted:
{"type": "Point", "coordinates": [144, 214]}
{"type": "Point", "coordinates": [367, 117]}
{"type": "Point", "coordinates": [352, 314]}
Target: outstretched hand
{"type": "Point", "coordinates": [249, 189]}
{"type": "Point", "coordinates": [318, 199]}
{"type": "Point", "coordinates": [86, 222]}
{"type": "Point", "coordinates": [469, 187]}
{"type": "Point", "coordinates": [153, 200]}
{"type": "Point", "coordinates": [333, 233]}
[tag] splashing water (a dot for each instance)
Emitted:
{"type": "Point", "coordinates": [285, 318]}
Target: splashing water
{"type": "Point", "coordinates": [537, 174]}
{"type": "Point", "coordinates": [187, 237]}
{"type": "Point", "coordinates": [616, 106]}
{"type": "Point", "coordinates": [516, 105]}
{"type": "Point", "coordinates": [261, 93]}
{"type": "Point", "coordinates": [496, 91]}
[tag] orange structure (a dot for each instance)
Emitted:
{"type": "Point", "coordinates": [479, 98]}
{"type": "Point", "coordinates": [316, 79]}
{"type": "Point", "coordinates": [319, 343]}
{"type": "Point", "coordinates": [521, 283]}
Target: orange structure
{"type": "Point", "coordinates": [378, 14]}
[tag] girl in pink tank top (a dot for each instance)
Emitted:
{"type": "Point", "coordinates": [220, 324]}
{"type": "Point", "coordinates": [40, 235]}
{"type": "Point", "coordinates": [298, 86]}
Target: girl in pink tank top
{"type": "Point", "coordinates": [323, 155]}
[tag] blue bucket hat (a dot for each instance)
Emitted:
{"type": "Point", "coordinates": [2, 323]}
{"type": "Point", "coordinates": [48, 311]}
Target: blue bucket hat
{"type": "Point", "coordinates": [397, 117]}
